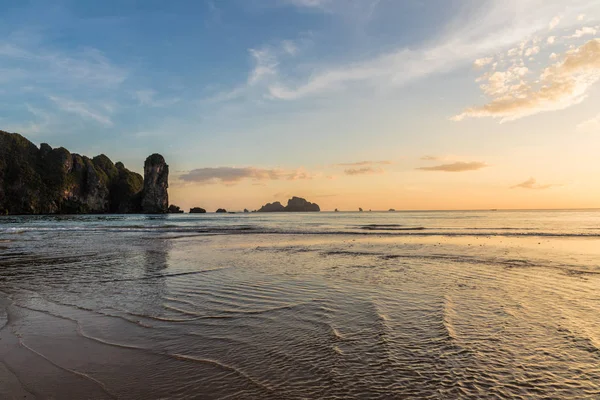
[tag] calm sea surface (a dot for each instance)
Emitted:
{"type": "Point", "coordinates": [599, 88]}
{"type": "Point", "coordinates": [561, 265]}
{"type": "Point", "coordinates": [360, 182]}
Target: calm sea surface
{"type": "Point", "coordinates": [424, 305]}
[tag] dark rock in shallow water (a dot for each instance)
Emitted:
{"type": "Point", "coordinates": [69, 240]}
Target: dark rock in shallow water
{"type": "Point", "coordinates": [197, 210]}
{"type": "Point", "coordinates": [173, 209]}
{"type": "Point", "coordinates": [246, 210]}
{"type": "Point", "coordinates": [53, 181]}
{"type": "Point", "coordinates": [221, 210]}
{"type": "Point", "coordinates": [155, 198]}
{"type": "Point", "coordinates": [272, 207]}
{"type": "Point", "coordinates": [391, 210]}
{"type": "Point", "coordinates": [295, 204]}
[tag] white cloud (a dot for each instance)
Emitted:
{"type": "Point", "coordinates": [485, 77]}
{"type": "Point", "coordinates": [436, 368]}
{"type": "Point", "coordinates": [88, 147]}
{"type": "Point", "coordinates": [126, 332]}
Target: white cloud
{"type": "Point", "coordinates": [551, 39]}
{"type": "Point", "coordinates": [554, 22]}
{"type": "Point", "coordinates": [81, 109]}
{"type": "Point", "coordinates": [289, 47]}
{"type": "Point", "coordinates": [586, 30]}
{"type": "Point", "coordinates": [265, 65]}
{"type": "Point", "coordinates": [471, 35]}
{"type": "Point", "coordinates": [558, 87]}
{"type": "Point", "coordinates": [482, 62]}
{"type": "Point", "coordinates": [532, 51]}
{"type": "Point", "coordinates": [492, 30]}
{"type": "Point", "coordinates": [581, 17]}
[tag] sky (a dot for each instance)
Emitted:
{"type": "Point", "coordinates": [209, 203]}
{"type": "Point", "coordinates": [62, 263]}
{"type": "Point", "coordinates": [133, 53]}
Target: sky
{"type": "Point", "coordinates": [404, 104]}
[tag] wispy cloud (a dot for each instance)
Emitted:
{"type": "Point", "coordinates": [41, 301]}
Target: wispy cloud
{"type": "Point", "coordinates": [232, 175]}
{"type": "Point", "coordinates": [459, 166]}
{"type": "Point", "coordinates": [309, 3]}
{"type": "Point", "coordinates": [592, 124]}
{"type": "Point", "coordinates": [430, 158]}
{"type": "Point", "coordinates": [363, 171]}
{"type": "Point", "coordinates": [531, 183]}
{"type": "Point", "coordinates": [89, 67]}
{"type": "Point", "coordinates": [81, 109]}
{"type": "Point", "coordinates": [559, 86]}
{"type": "Point", "coordinates": [148, 97]}
{"type": "Point", "coordinates": [363, 163]}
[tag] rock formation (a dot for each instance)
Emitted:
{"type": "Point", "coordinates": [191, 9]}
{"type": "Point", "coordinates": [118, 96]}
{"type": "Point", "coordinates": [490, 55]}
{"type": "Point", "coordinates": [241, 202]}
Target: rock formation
{"type": "Point", "coordinates": [155, 198]}
{"type": "Point", "coordinates": [55, 181]}
{"type": "Point", "coordinates": [272, 207]}
{"type": "Point", "coordinates": [295, 204]}
{"type": "Point", "coordinates": [221, 210]}
{"type": "Point", "coordinates": [173, 209]}
{"type": "Point", "coordinates": [246, 210]}
{"type": "Point", "coordinates": [197, 210]}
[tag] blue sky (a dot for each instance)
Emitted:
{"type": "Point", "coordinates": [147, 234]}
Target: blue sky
{"type": "Point", "coordinates": [257, 98]}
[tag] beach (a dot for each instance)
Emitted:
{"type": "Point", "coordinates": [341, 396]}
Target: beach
{"type": "Point", "coordinates": [382, 305]}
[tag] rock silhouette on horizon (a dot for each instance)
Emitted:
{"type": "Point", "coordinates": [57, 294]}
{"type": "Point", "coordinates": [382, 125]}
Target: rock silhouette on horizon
{"type": "Point", "coordinates": [173, 209]}
{"type": "Point", "coordinates": [197, 210]}
{"type": "Point", "coordinates": [48, 180]}
{"type": "Point", "coordinates": [221, 210]}
{"type": "Point", "coordinates": [295, 204]}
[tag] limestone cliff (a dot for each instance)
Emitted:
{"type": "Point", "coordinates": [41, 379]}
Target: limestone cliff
{"type": "Point", "coordinates": [155, 198]}
{"type": "Point", "coordinates": [55, 181]}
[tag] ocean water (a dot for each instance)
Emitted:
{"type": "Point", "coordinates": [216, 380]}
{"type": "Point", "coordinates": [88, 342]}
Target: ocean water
{"type": "Point", "coordinates": [373, 305]}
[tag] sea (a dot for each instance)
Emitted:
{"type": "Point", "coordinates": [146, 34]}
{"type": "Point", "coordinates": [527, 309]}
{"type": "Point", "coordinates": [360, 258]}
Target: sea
{"type": "Point", "coordinates": [372, 305]}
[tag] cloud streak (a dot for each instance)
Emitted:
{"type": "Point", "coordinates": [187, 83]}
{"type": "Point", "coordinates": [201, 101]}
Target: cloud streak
{"type": "Point", "coordinates": [233, 175]}
{"type": "Point", "coordinates": [459, 166]}
{"type": "Point", "coordinates": [531, 183]}
{"type": "Point", "coordinates": [81, 109]}
{"type": "Point", "coordinates": [363, 163]}
{"type": "Point", "coordinates": [363, 171]}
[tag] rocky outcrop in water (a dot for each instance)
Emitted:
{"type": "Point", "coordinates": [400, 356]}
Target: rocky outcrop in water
{"type": "Point", "coordinates": [221, 210]}
{"type": "Point", "coordinates": [173, 209]}
{"type": "Point", "coordinates": [197, 210]}
{"type": "Point", "coordinates": [295, 204]}
{"type": "Point", "coordinates": [50, 180]}
{"type": "Point", "coordinates": [298, 204]}
{"type": "Point", "coordinates": [155, 198]}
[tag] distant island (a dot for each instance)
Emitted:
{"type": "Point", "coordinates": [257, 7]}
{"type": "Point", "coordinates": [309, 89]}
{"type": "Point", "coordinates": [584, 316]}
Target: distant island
{"type": "Point", "coordinates": [295, 204]}
{"type": "Point", "coordinates": [54, 181]}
